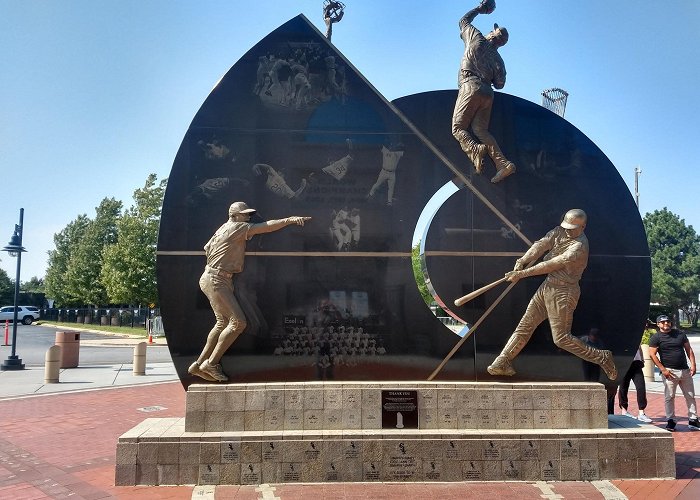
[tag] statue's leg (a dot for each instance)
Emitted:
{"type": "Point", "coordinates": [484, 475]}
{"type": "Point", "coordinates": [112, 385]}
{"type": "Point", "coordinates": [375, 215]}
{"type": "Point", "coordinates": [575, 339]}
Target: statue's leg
{"type": "Point", "coordinates": [535, 314]}
{"type": "Point", "coordinates": [561, 302]}
{"type": "Point", "coordinates": [465, 109]}
{"type": "Point", "coordinates": [236, 325]}
{"type": "Point", "coordinates": [208, 286]}
{"type": "Point", "coordinates": [480, 126]}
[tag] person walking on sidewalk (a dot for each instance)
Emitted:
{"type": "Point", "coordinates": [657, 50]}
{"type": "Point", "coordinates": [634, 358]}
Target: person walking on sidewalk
{"type": "Point", "coordinates": [668, 349]}
{"type": "Point", "coordinates": [634, 374]}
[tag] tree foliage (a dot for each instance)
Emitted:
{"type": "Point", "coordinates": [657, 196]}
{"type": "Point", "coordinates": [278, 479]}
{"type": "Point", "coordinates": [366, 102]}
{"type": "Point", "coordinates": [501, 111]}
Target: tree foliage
{"type": "Point", "coordinates": [110, 259]}
{"type": "Point", "coordinates": [83, 275]}
{"type": "Point", "coordinates": [418, 275]}
{"type": "Point", "coordinates": [7, 288]}
{"type": "Point", "coordinates": [66, 242]}
{"type": "Point", "coordinates": [675, 261]}
{"type": "Point", "coordinates": [34, 285]}
{"type": "Point", "coordinates": [129, 273]}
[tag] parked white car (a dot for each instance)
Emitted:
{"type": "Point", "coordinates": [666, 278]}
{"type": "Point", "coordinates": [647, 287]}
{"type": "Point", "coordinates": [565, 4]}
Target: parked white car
{"type": "Point", "coordinates": [25, 314]}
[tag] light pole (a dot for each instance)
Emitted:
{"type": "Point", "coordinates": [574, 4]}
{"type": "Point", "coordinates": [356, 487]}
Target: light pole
{"type": "Point", "coordinates": [15, 249]}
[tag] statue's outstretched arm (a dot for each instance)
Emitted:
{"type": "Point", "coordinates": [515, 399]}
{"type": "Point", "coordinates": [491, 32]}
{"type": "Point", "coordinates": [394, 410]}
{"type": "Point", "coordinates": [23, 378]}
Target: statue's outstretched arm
{"type": "Point", "coordinates": [485, 7]}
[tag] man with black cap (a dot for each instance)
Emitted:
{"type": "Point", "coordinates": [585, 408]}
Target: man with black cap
{"type": "Point", "coordinates": [567, 256]}
{"type": "Point", "coordinates": [481, 68]}
{"type": "Point", "coordinates": [225, 254]}
{"type": "Point", "coordinates": [668, 349]}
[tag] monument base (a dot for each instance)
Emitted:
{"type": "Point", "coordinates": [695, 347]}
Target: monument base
{"type": "Point", "coordinates": [333, 431]}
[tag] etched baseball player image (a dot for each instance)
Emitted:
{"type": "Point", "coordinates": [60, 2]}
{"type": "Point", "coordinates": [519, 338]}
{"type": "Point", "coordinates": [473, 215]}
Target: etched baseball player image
{"type": "Point", "coordinates": [225, 253]}
{"type": "Point", "coordinates": [566, 248]}
{"type": "Point", "coordinates": [390, 161]}
{"type": "Point", "coordinates": [481, 68]}
{"type": "Point", "coordinates": [276, 182]}
{"type": "Point", "coordinates": [339, 168]}
{"type": "Point", "coordinates": [340, 228]}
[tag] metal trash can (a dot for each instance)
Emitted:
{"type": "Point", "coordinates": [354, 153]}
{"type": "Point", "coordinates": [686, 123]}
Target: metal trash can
{"type": "Point", "coordinates": [70, 348]}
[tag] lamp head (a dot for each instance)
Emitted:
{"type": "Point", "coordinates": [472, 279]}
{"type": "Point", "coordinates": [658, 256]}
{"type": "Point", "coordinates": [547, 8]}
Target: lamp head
{"type": "Point", "coordinates": [14, 247]}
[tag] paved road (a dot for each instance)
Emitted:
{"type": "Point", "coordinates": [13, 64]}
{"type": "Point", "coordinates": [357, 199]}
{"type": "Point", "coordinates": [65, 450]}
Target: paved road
{"type": "Point", "coordinates": [95, 348]}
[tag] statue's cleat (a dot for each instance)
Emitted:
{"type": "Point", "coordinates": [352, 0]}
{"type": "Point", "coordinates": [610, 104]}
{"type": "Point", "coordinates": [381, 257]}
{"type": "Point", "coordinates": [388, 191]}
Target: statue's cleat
{"type": "Point", "coordinates": [501, 366]}
{"type": "Point", "coordinates": [509, 169]}
{"type": "Point", "coordinates": [197, 372]}
{"type": "Point", "coordinates": [608, 365]}
{"type": "Point", "coordinates": [214, 371]}
{"type": "Point", "coordinates": [479, 159]}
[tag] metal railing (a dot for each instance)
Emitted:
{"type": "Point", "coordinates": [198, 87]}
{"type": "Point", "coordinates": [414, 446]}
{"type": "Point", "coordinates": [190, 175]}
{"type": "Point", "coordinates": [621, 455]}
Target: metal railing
{"type": "Point", "coordinates": [112, 316]}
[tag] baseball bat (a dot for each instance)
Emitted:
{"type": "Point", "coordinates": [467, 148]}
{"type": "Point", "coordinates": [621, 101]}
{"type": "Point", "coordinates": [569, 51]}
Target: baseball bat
{"type": "Point", "coordinates": [463, 300]}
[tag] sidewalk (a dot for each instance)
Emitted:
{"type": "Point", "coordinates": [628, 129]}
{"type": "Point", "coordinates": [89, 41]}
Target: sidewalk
{"type": "Point", "coordinates": [30, 381]}
{"type": "Point", "coordinates": [59, 441]}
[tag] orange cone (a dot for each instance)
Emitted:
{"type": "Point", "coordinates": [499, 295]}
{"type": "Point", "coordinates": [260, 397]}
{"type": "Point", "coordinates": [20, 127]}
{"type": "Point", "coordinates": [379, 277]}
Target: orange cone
{"type": "Point", "coordinates": [7, 332]}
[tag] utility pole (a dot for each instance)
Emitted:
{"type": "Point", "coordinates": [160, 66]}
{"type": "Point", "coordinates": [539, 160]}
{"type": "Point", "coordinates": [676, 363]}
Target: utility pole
{"type": "Point", "coordinates": [637, 173]}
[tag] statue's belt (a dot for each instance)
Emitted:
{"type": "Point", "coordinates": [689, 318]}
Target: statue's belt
{"type": "Point", "coordinates": [218, 272]}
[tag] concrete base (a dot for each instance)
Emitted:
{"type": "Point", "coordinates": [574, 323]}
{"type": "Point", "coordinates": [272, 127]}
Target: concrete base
{"type": "Point", "coordinates": [494, 445]}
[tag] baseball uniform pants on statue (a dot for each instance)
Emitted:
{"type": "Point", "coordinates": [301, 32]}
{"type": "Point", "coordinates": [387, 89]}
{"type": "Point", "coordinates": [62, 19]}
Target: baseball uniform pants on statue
{"type": "Point", "coordinates": [557, 303]}
{"type": "Point", "coordinates": [473, 109]}
{"type": "Point", "coordinates": [230, 320]}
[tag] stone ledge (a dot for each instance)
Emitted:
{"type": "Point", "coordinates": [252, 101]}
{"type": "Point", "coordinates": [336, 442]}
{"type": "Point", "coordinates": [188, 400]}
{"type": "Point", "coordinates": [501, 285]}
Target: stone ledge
{"type": "Point", "coordinates": [178, 457]}
{"type": "Point", "coordinates": [354, 405]}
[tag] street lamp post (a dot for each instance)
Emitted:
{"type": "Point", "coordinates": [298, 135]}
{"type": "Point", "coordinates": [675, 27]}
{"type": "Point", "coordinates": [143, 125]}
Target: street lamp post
{"type": "Point", "coordinates": [15, 249]}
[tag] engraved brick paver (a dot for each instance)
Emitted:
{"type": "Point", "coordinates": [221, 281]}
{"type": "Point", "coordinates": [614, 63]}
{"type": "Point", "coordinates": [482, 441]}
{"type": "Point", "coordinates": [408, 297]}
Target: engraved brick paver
{"type": "Point", "coordinates": [63, 446]}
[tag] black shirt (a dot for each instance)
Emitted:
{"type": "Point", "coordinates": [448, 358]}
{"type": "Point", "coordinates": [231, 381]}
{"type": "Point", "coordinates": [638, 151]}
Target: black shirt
{"type": "Point", "coordinates": [670, 348]}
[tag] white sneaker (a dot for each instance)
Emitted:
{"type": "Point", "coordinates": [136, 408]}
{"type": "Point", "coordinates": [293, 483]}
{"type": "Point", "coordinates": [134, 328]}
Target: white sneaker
{"type": "Point", "coordinates": [643, 418]}
{"type": "Point", "coordinates": [625, 413]}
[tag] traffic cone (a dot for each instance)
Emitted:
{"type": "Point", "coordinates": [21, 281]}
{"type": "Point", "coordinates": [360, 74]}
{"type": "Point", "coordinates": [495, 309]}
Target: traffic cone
{"type": "Point", "coordinates": [7, 332]}
{"type": "Point", "coordinates": [149, 329]}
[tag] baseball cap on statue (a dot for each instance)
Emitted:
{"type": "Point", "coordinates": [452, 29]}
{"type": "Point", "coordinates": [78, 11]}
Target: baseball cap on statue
{"type": "Point", "coordinates": [661, 318]}
{"type": "Point", "coordinates": [240, 207]}
{"type": "Point", "coordinates": [574, 219]}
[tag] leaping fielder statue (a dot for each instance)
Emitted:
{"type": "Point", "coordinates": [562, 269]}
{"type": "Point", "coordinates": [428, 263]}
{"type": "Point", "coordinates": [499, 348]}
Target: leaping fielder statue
{"type": "Point", "coordinates": [481, 68]}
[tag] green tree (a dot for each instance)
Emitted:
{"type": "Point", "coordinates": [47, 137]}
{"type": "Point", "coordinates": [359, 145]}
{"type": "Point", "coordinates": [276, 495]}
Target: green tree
{"type": "Point", "coordinates": [7, 289]}
{"type": "Point", "coordinates": [129, 270]}
{"type": "Point", "coordinates": [675, 261]}
{"type": "Point", "coordinates": [66, 242]}
{"type": "Point", "coordinates": [418, 275]}
{"type": "Point", "coordinates": [83, 275]}
{"type": "Point", "coordinates": [34, 285]}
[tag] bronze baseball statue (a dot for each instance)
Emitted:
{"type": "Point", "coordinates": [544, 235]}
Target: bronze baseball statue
{"type": "Point", "coordinates": [481, 69]}
{"type": "Point", "coordinates": [225, 255]}
{"type": "Point", "coordinates": [566, 248]}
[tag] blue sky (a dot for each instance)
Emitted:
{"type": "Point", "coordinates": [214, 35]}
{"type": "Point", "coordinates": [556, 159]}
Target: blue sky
{"type": "Point", "coordinates": [97, 94]}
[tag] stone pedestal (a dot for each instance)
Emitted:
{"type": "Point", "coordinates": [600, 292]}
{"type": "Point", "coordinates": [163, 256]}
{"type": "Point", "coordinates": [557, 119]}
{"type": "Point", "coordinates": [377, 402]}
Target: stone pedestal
{"type": "Point", "coordinates": [332, 431]}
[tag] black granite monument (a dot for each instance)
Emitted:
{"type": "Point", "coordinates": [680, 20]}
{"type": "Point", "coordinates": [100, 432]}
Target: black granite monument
{"type": "Point", "coordinates": [294, 128]}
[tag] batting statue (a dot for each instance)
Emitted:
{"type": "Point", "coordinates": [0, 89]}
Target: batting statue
{"type": "Point", "coordinates": [482, 67]}
{"type": "Point", "coordinates": [557, 297]}
{"type": "Point", "coordinates": [225, 253]}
